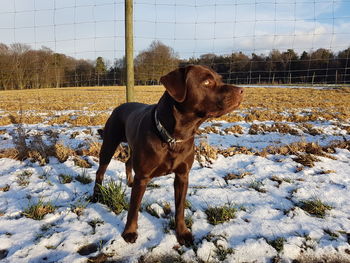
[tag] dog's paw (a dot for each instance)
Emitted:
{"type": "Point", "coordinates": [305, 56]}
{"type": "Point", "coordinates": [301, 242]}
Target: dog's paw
{"type": "Point", "coordinates": [185, 238]}
{"type": "Point", "coordinates": [130, 237]}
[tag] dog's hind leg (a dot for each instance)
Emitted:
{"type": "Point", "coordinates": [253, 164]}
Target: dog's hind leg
{"type": "Point", "coordinates": [128, 171]}
{"type": "Point", "coordinates": [111, 140]}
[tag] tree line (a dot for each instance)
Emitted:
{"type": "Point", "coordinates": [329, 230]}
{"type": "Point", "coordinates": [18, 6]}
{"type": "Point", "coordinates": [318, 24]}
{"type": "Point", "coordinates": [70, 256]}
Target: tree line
{"type": "Point", "coordinates": [21, 67]}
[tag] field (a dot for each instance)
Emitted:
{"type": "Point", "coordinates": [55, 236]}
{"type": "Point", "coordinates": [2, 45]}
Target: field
{"type": "Point", "coordinates": [270, 182]}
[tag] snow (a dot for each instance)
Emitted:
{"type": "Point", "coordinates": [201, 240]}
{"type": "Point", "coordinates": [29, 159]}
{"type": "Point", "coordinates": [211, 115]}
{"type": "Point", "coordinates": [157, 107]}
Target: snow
{"type": "Point", "coordinates": [261, 217]}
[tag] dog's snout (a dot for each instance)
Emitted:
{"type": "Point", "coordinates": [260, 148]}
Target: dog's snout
{"type": "Point", "coordinates": [239, 90]}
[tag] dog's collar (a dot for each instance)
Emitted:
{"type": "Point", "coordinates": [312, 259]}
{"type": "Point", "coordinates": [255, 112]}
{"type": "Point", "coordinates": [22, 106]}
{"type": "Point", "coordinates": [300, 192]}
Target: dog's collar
{"type": "Point", "coordinates": [163, 132]}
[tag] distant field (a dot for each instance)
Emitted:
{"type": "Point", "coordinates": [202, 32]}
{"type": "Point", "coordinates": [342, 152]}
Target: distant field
{"type": "Point", "coordinates": [92, 105]}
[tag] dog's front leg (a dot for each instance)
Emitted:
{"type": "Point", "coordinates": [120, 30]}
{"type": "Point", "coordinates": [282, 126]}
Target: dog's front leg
{"type": "Point", "coordinates": [183, 235]}
{"type": "Point", "coordinates": [138, 189]}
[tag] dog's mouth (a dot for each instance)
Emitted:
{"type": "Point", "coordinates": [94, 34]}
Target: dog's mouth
{"type": "Point", "coordinates": [225, 110]}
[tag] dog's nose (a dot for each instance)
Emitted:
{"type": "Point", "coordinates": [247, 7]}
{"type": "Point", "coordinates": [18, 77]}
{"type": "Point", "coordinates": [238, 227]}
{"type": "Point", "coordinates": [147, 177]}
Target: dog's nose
{"type": "Point", "coordinates": [239, 90]}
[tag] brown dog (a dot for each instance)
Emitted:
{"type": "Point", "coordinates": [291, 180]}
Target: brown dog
{"type": "Point", "coordinates": [161, 137]}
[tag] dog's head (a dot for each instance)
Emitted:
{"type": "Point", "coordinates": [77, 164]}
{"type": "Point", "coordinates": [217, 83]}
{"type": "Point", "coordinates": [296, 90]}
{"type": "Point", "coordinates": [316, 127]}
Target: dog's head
{"type": "Point", "coordinates": [200, 90]}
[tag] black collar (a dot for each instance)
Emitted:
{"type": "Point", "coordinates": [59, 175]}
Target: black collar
{"type": "Point", "coordinates": [163, 132]}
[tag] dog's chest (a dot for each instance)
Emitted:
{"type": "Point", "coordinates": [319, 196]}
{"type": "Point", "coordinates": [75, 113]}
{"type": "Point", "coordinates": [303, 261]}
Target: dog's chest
{"type": "Point", "coordinates": [170, 163]}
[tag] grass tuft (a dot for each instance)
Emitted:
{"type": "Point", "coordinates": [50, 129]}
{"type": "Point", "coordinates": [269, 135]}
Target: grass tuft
{"type": "Point", "coordinates": [257, 186]}
{"type": "Point", "coordinates": [83, 178]}
{"type": "Point", "coordinates": [235, 129]}
{"type": "Point", "coordinates": [62, 152]}
{"type": "Point", "coordinates": [39, 210]}
{"type": "Point", "coordinates": [79, 206]}
{"type": "Point", "coordinates": [233, 176]}
{"type": "Point", "coordinates": [81, 162]}
{"type": "Point", "coordinates": [222, 252]}
{"type": "Point", "coordinates": [65, 178]}
{"type": "Point", "coordinates": [277, 243]}
{"type": "Point", "coordinates": [220, 214]}
{"type": "Point", "coordinates": [315, 207]}
{"type": "Point", "coordinates": [306, 159]}
{"type": "Point", "coordinates": [5, 188]}
{"type": "Point", "coordinates": [151, 211]}
{"type": "Point", "coordinates": [113, 196]}
{"type": "Point", "coordinates": [153, 185]}
{"type": "Point", "coordinates": [166, 208]}
{"type": "Point", "coordinates": [171, 225]}
{"type": "Point", "coordinates": [23, 178]}
{"type": "Point", "coordinates": [205, 154]}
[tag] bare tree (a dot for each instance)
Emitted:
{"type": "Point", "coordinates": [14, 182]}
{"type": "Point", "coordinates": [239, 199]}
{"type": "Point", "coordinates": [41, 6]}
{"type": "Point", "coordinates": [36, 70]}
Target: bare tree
{"type": "Point", "coordinates": [155, 62]}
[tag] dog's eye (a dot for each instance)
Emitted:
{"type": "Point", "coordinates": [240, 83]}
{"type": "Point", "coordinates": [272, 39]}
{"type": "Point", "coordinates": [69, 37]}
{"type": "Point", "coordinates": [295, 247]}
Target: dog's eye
{"type": "Point", "coordinates": [206, 82]}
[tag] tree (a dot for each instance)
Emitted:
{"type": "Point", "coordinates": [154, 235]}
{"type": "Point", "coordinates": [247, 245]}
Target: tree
{"type": "Point", "coordinates": [154, 62]}
{"type": "Point", "coordinates": [343, 64]}
{"type": "Point", "coordinates": [239, 66]}
{"type": "Point", "coordinates": [289, 59]}
{"type": "Point", "coordinates": [116, 73]}
{"type": "Point", "coordinates": [5, 76]}
{"type": "Point", "coordinates": [100, 69]}
{"type": "Point", "coordinates": [19, 65]}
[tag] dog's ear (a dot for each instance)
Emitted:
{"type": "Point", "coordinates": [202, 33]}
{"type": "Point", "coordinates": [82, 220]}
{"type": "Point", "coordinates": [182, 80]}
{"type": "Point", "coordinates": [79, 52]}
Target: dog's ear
{"type": "Point", "coordinates": [175, 84]}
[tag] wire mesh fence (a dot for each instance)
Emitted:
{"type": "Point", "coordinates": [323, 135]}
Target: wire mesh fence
{"type": "Point", "coordinates": [57, 43]}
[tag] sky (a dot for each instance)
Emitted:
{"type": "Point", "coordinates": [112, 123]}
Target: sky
{"type": "Point", "coordinates": [91, 28]}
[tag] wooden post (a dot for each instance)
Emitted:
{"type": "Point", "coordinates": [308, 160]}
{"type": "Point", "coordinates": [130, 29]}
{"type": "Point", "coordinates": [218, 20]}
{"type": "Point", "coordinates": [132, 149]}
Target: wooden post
{"type": "Point", "coordinates": [313, 78]}
{"type": "Point", "coordinates": [336, 77]}
{"type": "Point", "coordinates": [129, 50]}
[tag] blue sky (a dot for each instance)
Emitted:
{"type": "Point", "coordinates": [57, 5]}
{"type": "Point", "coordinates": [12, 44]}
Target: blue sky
{"type": "Point", "coordinates": [92, 28]}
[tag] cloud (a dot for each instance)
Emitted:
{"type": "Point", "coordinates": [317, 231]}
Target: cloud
{"type": "Point", "coordinates": [250, 26]}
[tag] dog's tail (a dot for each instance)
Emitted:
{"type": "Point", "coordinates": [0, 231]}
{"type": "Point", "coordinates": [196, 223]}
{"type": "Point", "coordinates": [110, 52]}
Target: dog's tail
{"type": "Point", "coordinates": [100, 132]}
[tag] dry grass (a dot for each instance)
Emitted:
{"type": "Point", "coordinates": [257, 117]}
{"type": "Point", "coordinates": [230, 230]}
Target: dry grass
{"type": "Point", "coordinates": [35, 149]}
{"type": "Point", "coordinates": [230, 151]}
{"type": "Point", "coordinates": [306, 152]}
{"type": "Point", "coordinates": [235, 129]}
{"type": "Point", "coordinates": [260, 103]}
{"type": "Point", "coordinates": [276, 127]}
{"type": "Point", "coordinates": [205, 154]}
{"type": "Point", "coordinates": [233, 176]}
{"type": "Point", "coordinates": [208, 129]}
{"type": "Point", "coordinates": [306, 147]}
{"type": "Point", "coordinates": [23, 178]}
{"type": "Point", "coordinates": [5, 188]}
{"type": "Point", "coordinates": [38, 210]}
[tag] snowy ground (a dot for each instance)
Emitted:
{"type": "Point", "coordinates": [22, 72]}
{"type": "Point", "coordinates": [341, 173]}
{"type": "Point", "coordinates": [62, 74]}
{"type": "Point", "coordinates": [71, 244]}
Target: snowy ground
{"type": "Point", "coordinates": [266, 195]}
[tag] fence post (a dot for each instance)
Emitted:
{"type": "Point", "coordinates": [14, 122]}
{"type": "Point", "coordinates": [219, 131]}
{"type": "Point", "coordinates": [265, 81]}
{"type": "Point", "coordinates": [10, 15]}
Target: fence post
{"type": "Point", "coordinates": [336, 77]}
{"type": "Point", "coordinates": [129, 50]}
